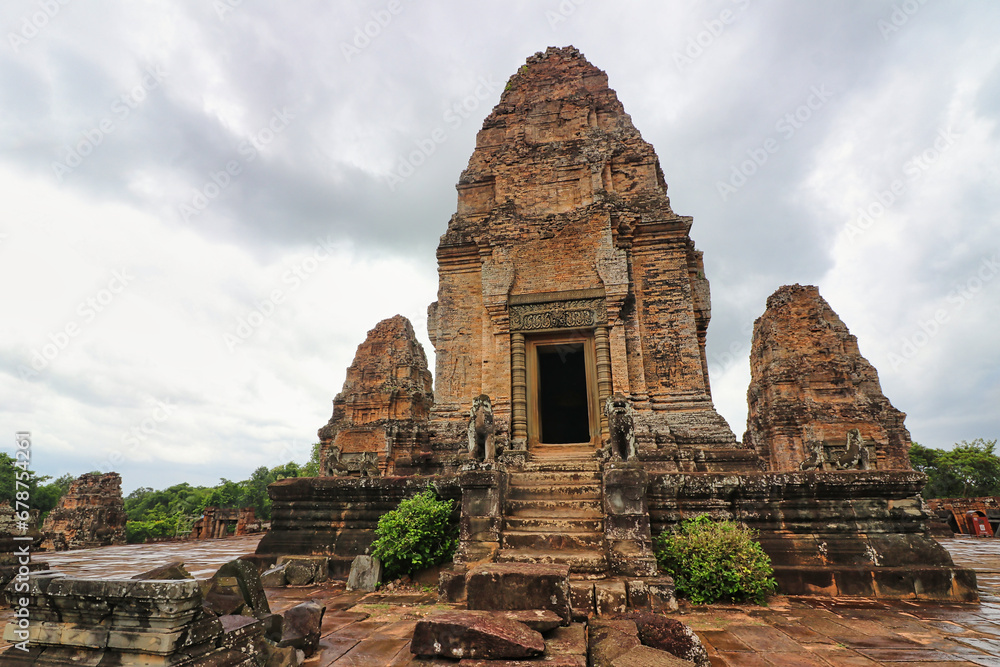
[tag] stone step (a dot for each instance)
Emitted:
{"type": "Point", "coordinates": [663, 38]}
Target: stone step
{"type": "Point", "coordinates": [561, 465]}
{"type": "Point", "coordinates": [569, 492]}
{"type": "Point", "coordinates": [588, 564]}
{"type": "Point", "coordinates": [555, 477]}
{"type": "Point", "coordinates": [551, 541]}
{"type": "Point", "coordinates": [556, 524]}
{"type": "Point", "coordinates": [541, 507]}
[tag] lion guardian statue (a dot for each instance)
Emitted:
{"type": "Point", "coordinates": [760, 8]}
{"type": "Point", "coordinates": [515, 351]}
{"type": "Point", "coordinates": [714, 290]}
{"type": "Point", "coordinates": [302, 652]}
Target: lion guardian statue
{"type": "Point", "coordinates": [482, 446]}
{"type": "Point", "coordinates": [621, 427]}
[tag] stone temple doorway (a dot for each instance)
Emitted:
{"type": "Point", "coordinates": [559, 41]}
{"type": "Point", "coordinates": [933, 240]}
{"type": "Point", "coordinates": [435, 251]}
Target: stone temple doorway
{"type": "Point", "coordinates": [562, 391]}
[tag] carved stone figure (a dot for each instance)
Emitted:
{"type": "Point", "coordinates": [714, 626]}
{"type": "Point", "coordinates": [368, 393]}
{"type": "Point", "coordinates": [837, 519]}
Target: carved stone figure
{"type": "Point", "coordinates": [482, 429]}
{"type": "Point", "coordinates": [366, 464]}
{"type": "Point", "coordinates": [817, 457]}
{"type": "Point", "coordinates": [334, 466]}
{"type": "Point", "coordinates": [856, 455]}
{"type": "Point", "coordinates": [621, 425]}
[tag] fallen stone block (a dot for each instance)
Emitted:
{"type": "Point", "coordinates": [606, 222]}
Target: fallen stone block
{"type": "Point", "coordinates": [302, 627]}
{"type": "Point", "coordinates": [610, 597]}
{"type": "Point", "coordinates": [539, 620]}
{"type": "Point", "coordinates": [235, 582]}
{"type": "Point", "coordinates": [274, 577]}
{"type": "Point", "coordinates": [661, 594]}
{"type": "Point", "coordinates": [305, 570]}
{"type": "Point", "coordinates": [174, 570]}
{"type": "Point", "coordinates": [610, 639]}
{"type": "Point", "coordinates": [644, 656]}
{"type": "Point", "coordinates": [286, 656]}
{"type": "Point", "coordinates": [508, 586]}
{"type": "Point", "coordinates": [472, 634]}
{"type": "Point", "coordinates": [451, 585]}
{"type": "Point", "coordinates": [669, 634]}
{"type": "Point", "coordinates": [366, 573]}
{"type": "Point", "coordinates": [581, 598]}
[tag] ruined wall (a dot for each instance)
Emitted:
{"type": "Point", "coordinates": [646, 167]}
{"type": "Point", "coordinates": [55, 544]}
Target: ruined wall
{"type": "Point", "coordinates": [91, 514]}
{"type": "Point", "coordinates": [385, 401]}
{"type": "Point", "coordinates": [809, 384]}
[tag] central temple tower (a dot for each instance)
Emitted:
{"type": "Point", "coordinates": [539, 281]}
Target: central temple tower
{"type": "Point", "coordinates": [566, 277]}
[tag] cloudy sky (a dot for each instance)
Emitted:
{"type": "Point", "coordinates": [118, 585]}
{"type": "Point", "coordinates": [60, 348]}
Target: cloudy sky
{"type": "Point", "coordinates": [207, 204]}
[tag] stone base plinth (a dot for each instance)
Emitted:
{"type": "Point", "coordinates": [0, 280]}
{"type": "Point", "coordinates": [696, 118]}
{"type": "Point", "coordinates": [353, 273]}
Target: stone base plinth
{"type": "Point", "coordinates": [855, 533]}
{"type": "Point", "coordinates": [336, 516]}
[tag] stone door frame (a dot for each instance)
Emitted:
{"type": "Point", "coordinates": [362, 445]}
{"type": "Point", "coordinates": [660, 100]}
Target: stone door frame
{"type": "Point", "coordinates": [532, 380]}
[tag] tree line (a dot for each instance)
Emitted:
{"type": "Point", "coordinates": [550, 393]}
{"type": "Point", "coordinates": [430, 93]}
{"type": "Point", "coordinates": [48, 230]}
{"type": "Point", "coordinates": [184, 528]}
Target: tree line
{"type": "Point", "coordinates": [167, 512]}
{"type": "Point", "coordinates": [968, 470]}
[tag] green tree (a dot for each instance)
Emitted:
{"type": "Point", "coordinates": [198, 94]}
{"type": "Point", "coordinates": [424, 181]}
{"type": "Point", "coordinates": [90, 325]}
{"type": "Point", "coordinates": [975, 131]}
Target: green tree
{"type": "Point", "coordinates": [311, 469]}
{"type": "Point", "coordinates": [968, 470]}
{"type": "Point", "coordinates": [40, 496]}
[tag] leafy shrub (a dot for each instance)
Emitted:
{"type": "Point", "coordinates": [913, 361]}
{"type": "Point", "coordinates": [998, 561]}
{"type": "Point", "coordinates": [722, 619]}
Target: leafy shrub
{"type": "Point", "coordinates": [715, 560]}
{"type": "Point", "coordinates": [416, 535]}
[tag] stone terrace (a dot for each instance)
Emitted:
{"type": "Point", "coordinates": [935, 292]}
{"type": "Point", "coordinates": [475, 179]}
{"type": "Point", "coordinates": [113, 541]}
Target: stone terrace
{"type": "Point", "coordinates": [374, 629]}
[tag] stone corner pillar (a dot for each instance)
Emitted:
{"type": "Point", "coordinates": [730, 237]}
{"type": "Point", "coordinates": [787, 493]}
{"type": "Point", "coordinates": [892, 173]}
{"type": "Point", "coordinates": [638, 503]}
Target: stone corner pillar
{"type": "Point", "coordinates": [481, 523]}
{"type": "Point", "coordinates": [627, 537]}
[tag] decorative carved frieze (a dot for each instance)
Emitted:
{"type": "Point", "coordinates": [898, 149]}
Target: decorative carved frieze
{"type": "Point", "coordinates": [577, 314]}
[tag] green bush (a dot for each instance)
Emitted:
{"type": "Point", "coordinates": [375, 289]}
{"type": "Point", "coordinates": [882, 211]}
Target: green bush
{"type": "Point", "coordinates": [715, 560]}
{"type": "Point", "coordinates": [416, 535]}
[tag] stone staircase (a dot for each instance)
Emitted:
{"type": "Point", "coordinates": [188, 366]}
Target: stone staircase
{"type": "Point", "coordinates": [554, 513]}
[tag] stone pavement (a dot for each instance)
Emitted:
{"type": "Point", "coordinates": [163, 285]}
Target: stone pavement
{"type": "Point", "coordinates": [374, 629]}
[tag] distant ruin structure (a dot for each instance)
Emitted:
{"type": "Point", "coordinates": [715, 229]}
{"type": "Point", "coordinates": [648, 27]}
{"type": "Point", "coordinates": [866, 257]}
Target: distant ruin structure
{"type": "Point", "coordinates": [380, 417]}
{"type": "Point", "coordinates": [572, 301]}
{"type": "Point", "coordinates": [91, 514]}
{"type": "Point", "coordinates": [810, 387]}
{"type": "Point", "coordinates": [218, 522]}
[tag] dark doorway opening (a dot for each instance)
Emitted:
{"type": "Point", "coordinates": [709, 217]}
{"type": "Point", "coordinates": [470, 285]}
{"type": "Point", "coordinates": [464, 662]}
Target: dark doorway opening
{"type": "Point", "coordinates": [562, 393]}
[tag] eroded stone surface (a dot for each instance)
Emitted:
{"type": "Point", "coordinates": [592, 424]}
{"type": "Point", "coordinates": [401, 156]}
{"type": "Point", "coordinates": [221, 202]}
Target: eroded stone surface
{"type": "Point", "coordinates": [471, 634]}
{"type": "Point", "coordinates": [809, 386]}
{"type": "Point", "coordinates": [91, 514]}
{"type": "Point", "coordinates": [366, 573]}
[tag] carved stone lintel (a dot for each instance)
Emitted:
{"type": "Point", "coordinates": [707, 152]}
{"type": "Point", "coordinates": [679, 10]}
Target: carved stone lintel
{"type": "Point", "coordinates": [575, 314]}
